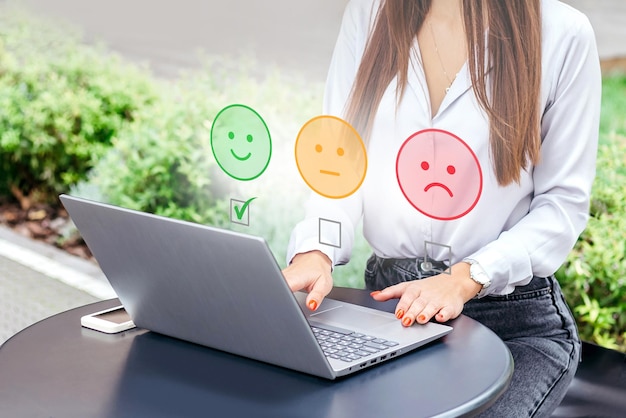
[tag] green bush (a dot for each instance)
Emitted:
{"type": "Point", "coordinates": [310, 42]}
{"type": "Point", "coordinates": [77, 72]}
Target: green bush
{"type": "Point", "coordinates": [61, 103]}
{"type": "Point", "coordinates": [162, 162]}
{"type": "Point", "coordinates": [594, 275]}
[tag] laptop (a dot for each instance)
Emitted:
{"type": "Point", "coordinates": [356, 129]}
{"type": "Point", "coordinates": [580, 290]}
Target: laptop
{"type": "Point", "coordinates": [225, 290]}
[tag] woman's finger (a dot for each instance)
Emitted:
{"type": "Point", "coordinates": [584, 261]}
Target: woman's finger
{"type": "Point", "coordinates": [318, 292]}
{"type": "Point", "coordinates": [391, 292]}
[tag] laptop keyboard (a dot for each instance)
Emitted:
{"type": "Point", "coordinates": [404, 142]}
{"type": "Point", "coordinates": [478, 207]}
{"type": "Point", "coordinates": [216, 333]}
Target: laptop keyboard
{"type": "Point", "coordinates": [345, 345]}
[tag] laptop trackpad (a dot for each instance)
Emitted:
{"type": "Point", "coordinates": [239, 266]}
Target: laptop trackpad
{"type": "Point", "coordinates": [352, 317]}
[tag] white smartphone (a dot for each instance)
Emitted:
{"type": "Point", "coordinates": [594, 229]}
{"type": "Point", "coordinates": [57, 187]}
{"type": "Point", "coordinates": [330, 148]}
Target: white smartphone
{"type": "Point", "coordinates": [109, 321]}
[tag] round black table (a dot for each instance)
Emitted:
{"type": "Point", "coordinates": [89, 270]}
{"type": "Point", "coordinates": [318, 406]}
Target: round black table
{"type": "Point", "coordinates": [56, 368]}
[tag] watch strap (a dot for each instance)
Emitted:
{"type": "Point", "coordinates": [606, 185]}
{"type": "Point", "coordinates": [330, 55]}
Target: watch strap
{"type": "Point", "coordinates": [479, 275]}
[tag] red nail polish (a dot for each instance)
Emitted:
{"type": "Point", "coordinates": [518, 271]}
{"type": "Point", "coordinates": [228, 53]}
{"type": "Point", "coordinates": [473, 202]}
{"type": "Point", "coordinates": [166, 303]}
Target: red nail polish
{"type": "Point", "coordinates": [406, 322]}
{"type": "Point", "coordinates": [375, 292]}
{"type": "Point", "coordinates": [313, 305]}
{"type": "Point", "coordinates": [399, 314]}
{"type": "Point", "coordinates": [422, 318]}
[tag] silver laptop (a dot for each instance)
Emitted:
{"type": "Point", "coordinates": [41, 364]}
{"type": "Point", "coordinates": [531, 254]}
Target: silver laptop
{"type": "Point", "coordinates": [225, 290]}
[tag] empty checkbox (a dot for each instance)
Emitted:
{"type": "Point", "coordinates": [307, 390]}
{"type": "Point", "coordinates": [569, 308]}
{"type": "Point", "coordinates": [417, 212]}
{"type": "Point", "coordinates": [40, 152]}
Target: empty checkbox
{"type": "Point", "coordinates": [330, 232]}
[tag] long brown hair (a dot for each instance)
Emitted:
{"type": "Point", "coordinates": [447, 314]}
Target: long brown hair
{"type": "Point", "coordinates": [514, 61]}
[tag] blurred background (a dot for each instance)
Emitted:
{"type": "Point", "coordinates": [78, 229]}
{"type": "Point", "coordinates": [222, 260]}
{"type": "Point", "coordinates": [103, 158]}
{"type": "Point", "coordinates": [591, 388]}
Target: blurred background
{"type": "Point", "coordinates": [114, 101]}
{"type": "Point", "coordinates": [168, 35]}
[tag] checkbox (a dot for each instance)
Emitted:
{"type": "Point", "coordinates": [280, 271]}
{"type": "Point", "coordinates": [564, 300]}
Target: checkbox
{"type": "Point", "coordinates": [240, 211]}
{"type": "Point", "coordinates": [429, 249]}
{"type": "Point", "coordinates": [330, 232]}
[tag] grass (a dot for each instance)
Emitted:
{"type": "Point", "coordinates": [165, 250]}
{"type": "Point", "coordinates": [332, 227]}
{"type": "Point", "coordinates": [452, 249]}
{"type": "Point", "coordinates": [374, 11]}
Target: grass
{"type": "Point", "coordinates": [613, 116]}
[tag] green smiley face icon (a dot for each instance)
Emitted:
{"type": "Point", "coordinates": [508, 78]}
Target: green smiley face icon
{"type": "Point", "coordinates": [241, 142]}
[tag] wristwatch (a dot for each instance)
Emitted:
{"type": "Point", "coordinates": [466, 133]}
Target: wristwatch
{"type": "Point", "coordinates": [479, 275]}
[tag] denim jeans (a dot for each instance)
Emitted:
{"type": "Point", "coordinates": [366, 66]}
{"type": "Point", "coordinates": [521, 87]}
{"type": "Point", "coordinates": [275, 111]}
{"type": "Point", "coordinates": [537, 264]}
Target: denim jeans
{"type": "Point", "coordinates": [534, 322]}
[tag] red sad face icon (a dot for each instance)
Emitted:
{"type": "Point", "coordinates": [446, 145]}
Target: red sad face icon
{"type": "Point", "coordinates": [439, 174]}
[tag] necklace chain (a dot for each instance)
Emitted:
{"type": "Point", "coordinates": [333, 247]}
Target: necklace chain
{"type": "Point", "coordinates": [443, 68]}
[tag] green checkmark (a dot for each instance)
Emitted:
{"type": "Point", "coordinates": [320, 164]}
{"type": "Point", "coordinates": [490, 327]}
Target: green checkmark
{"type": "Point", "coordinates": [240, 212]}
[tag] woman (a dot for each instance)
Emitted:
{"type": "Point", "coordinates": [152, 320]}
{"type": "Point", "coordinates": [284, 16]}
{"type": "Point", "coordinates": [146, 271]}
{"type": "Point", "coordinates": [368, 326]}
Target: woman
{"type": "Point", "coordinates": [517, 84]}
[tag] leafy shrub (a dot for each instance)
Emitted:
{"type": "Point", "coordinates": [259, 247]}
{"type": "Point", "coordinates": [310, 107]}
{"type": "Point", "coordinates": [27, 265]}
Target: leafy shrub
{"type": "Point", "coordinates": [61, 104]}
{"type": "Point", "coordinates": [162, 163]}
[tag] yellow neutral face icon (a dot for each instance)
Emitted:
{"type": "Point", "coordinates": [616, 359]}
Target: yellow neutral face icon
{"type": "Point", "coordinates": [331, 156]}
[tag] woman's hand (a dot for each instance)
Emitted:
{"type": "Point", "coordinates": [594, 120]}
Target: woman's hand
{"type": "Point", "coordinates": [442, 296]}
{"type": "Point", "coordinates": [310, 271]}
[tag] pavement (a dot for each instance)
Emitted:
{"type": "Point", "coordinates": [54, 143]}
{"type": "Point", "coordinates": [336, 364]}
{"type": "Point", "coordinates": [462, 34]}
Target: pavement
{"type": "Point", "coordinates": [37, 280]}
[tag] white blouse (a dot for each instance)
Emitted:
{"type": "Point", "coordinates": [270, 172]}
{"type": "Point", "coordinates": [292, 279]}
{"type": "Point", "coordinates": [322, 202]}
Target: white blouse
{"type": "Point", "coordinates": [514, 232]}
